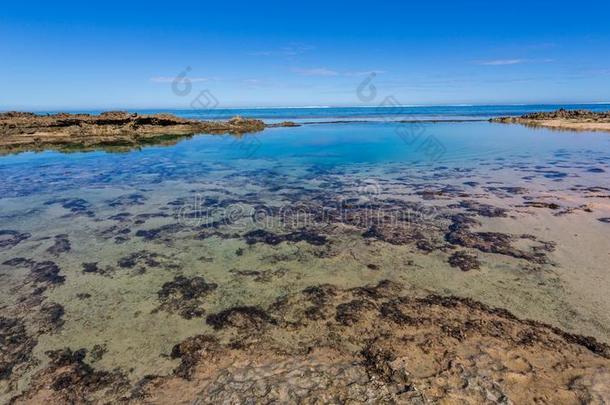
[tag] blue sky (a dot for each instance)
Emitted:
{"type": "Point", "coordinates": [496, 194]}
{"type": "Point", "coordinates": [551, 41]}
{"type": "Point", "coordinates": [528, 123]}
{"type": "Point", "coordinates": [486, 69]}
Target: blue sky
{"type": "Point", "coordinates": [83, 55]}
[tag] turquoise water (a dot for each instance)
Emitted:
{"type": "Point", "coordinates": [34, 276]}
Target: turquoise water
{"type": "Point", "coordinates": [464, 144]}
{"type": "Point", "coordinates": [301, 114]}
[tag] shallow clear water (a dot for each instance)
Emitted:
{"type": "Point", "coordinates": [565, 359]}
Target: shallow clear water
{"type": "Point", "coordinates": [122, 227]}
{"type": "Point", "coordinates": [283, 149]}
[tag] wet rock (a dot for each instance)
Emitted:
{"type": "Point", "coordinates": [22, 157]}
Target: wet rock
{"type": "Point", "coordinates": [188, 352]}
{"type": "Point", "coordinates": [377, 361]}
{"type": "Point", "coordinates": [541, 204]}
{"type": "Point", "coordinates": [283, 124]}
{"type": "Point", "coordinates": [392, 349]}
{"type": "Point", "coordinates": [484, 210]}
{"type": "Point", "coordinates": [10, 238]}
{"type": "Point", "coordinates": [464, 261]}
{"type": "Point", "coordinates": [15, 346]}
{"type": "Point", "coordinates": [183, 296]}
{"type": "Point", "coordinates": [391, 310]}
{"type": "Point", "coordinates": [109, 129]}
{"type": "Point", "coordinates": [242, 317]}
{"type": "Point", "coordinates": [61, 245]}
{"type": "Point", "coordinates": [270, 238]}
{"type": "Point", "coordinates": [68, 379]}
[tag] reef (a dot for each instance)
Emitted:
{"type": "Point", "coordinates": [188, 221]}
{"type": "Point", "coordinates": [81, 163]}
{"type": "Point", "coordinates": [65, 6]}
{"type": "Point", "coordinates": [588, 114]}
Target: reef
{"type": "Point", "coordinates": [570, 120]}
{"type": "Point", "coordinates": [24, 131]}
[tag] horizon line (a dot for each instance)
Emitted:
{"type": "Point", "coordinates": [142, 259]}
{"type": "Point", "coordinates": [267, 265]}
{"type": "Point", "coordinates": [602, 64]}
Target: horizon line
{"type": "Point", "coordinates": [457, 105]}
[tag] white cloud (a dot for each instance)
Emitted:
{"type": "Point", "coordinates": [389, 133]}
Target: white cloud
{"type": "Point", "coordinates": [290, 50]}
{"type": "Point", "coordinates": [502, 62]}
{"type": "Point", "coordinates": [316, 72]}
{"type": "Point", "coordinates": [322, 71]}
{"type": "Point", "coordinates": [508, 62]}
{"type": "Point", "coordinates": [169, 79]}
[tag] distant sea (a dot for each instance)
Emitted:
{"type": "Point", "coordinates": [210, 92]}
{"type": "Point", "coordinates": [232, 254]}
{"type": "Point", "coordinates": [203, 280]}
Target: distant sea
{"type": "Point", "coordinates": [367, 113]}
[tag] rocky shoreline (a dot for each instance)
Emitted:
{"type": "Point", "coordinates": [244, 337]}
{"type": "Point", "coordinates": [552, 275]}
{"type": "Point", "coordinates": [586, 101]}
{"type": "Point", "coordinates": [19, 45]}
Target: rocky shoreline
{"type": "Point", "coordinates": [25, 131]}
{"type": "Point", "coordinates": [569, 120]}
{"type": "Point", "coordinates": [453, 350]}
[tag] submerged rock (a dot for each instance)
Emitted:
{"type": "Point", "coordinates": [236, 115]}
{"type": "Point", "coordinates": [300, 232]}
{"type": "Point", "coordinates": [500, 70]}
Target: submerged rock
{"type": "Point", "coordinates": [61, 245]}
{"type": "Point", "coordinates": [15, 345]}
{"type": "Point", "coordinates": [464, 261]}
{"type": "Point", "coordinates": [242, 317]}
{"type": "Point", "coordinates": [373, 343]}
{"type": "Point", "coordinates": [183, 295]}
{"type": "Point", "coordinates": [270, 238]}
{"type": "Point", "coordinates": [47, 272]}
{"type": "Point", "coordinates": [68, 379]}
{"type": "Point", "coordinates": [77, 206]}
{"type": "Point", "coordinates": [10, 238]}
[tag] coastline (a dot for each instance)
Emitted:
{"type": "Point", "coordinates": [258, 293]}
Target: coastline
{"type": "Point", "coordinates": [23, 131]}
{"type": "Point", "coordinates": [122, 131]}
{"type": "Point", "coordinates": [563, 120]}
